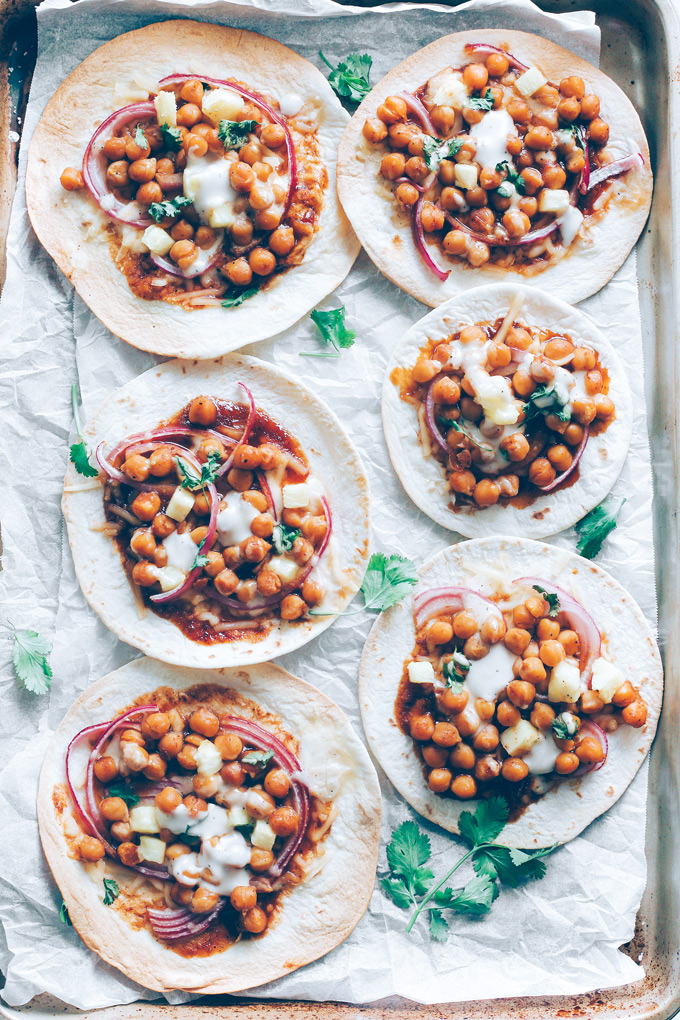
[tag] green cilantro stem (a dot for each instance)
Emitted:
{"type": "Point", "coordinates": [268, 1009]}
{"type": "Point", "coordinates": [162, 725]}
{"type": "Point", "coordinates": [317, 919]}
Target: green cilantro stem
{"type": "Point", "coordinates": [447, 876]}
{"type": "Point", "coordinates": [74, 405]}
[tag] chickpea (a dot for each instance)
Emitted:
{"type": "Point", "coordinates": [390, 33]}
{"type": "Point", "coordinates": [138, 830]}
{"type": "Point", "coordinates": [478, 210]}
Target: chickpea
{"type": "Point", "coordinates": [590, 107]}
{"type": "Point", "coordinates": [162, 526]}
{"type": "Point", "coordinates": [117, 174]}
{"type": "Point", "coordinates": [474, 648]}
{"type": "Point", "coordinates": [445, 734]}
{"type": "Point", "coordinates": [156, 767]}
{"type": "Point", "coordinates": [486, 738]}
{"type": "Point", "coordinates": [282, 240]}
{"type": "Point", "coordinates": [517, 640]}
{"type": "Point", "coordinates": [455, 242]}
{"type": "Point", "coordinates": [91, 849]}
{"type": "Point", "coordinates": [492, 630]}
{"type": "Point", "coordinates": [507, 714]}
{"type": "Point", "coordinates": [497, 65]}
{"type": "Point", "coordinates": [105, 769]}
{"type": "Point", "coordinates": [439, 780]}
{"type": "Point", "coordinates": [243, 898]}
{"type": "Point", "coordinates": [450, 701]}
{"type": "Point", "coordinates": [240, 480]}
{"type": "Point", "coordinates": [143, 542]}
{"type": "Point", "coordinates": [523, 384]}
{"type": "Point", "coordinates": [575, 162]}
{"type": "Point", "coordinates": [114, 809]}
{"type": "Point", "coordinates": [514, 770]}
{"type": "Point", "coordinates": [262, 261]}
{"type": "Point", "coordinates": [464, 483]}
{"type": "Point", "coordinates": [170, 745]}
{"type": "Point", "coordinates": [187, 757]}
{"type": "Point", "coordinates": [72, 179]}
{"type": "Point", "coordinates": [142, 170]}
{"type": "Point", "coordinates": [435, 757]}
{"type": "Point", "coordinates": [260, 860]}
{"type": "Point", "coordinates": [255, 920]}
{"type": "Point", "coordinates": [521, 692]}
{"type": "Point", "coordinates": [583, 410]}
{"type": "Point", "coordinates": [233, 773]}
{"type": "Point", "coordinates": [635, 714]}
{"type": "Point", "coordinates": [134, 756]}
{"type": "Point", "coordinates": [284, 821]}
{"type": "Point", "coordinates": [560, 457]}
{"type": "Point", "coordinates": [203, 900]}
{"type": "Point", "coordinates": [463, 787]}
{"type": "Point", "coordinates": [292, 607]}
{"type": "Point", "coordinates": [312, 593]}
{"type": "Point", "coordinates": [478, 253]}
{"type": "Point", "coordinates": [551, 652]}
{"type": "Point", "coordinates": [443, 118]}
{"type": "Point", "coordinates": [516, 223]}
{"type": "Point", "coordinates": [542, 716]}
{"type": "Point", "coordinates": [515, 446]}
{"type": "Point", "coordinates": [541, 472]}
{"type": "Point", "coordinates": [486, 492]}
{"type": "Point", "coordinates": [204, 721]}
{"type": "Point", "coordinates": [431, 217]}
{"type": "Point", "coordinates": [417, 169]}
{"type": "Point", "coordinates": [589, 751]}
{"type": "Point", "coordinates": [393, 110]}
{"type": "Point", "coordinates": [374, 130]}
{"type": "Point", "coordinates": [136, 467]}
{"type": "Point", "coordinates": [464, 624]}
{"type": "Point", "coordinates": [421, 727]}
{"type": "Point", "coordinates": [566, 762]}
{"type": "Point", "coordinates": [393, 166]}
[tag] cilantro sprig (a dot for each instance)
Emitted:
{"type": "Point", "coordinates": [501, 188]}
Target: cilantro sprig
{"type": "Point", "coordinates": [188, 477]}
{"type": "Point", "coordinates": [544, 400]}
{"type": "Point", "coordinates": [513, 176]}
{"type": "Point", "coordinates": [331, 326]}
{"type": "Point", "coordinates": [551, 598]}
{"type": "Point", "coordinates": [140, 137]}
{"type": "Point", "coordinates": [80, 453]}
{"type": "Point", "coordinates": [111, 891]}
{"type": "Point", "coordinates": [169, 207]}
{"type": "Point", "coordinates": [455, 670]}
{"type": "Point", "coordinates": [435, 150]}
{"type": "Point", "coordinates": [350, 79]}
{"type": "Point", "coordinates": [565, 726]}
{"type": "Point", "coordinates": [484, 102]}
{"type": "Point", "coordinates": [122, 790]}
{"type": "Point", "coordinates": [235, 133]}
{"type": "Point", "coordinates": [388, 580]}
{"type": "Point", "coordinates": [596, 525]}
{"type": "Point", "coordinates": [172, 137]}
{"type": "Point", "coordinates": [235, 300]}
{"type": "Point", "coordinates": [29, 658]}
{"type": "Point", "coordinates": [283, 537]}
{"type": "Point", "coordinates": [409, 883]}
{"type": "Point", "coordinates": [258, 758]}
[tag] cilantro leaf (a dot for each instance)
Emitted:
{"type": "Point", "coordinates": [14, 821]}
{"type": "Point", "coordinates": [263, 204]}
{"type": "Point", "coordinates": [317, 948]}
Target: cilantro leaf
{"type": "Point", "coordinates": [551, 598]}
{"type": "Point", "coordinates": [168, 207]}
{"type": "Point", "coordinates": [188, 477]}
{"type": "Point", "coordinates": [396, 889]}
{"type": "Point", "coordinates": [64, 914]}
{"type": "Point", "coordinates": [350, 79]}
{"type": "Point", "coordinates": [408, 850]}
{"type": "Point", "coordinates": [140, 137]}
{"type": "Point", "coordinates": [435, 150]}
{"type": "Point", "coordinates": [29, 657]}
{"type": "Point", "coordinates": [246, 829]}
{"type": "Point", "coordinates": [439, 926]}
{"type": "Point", "coordinates": [484, 102]}
{"type": "Point", "coordinates": [487, 822]}
{"type": "Point", "coordinates": [475, 898]}
{"type": "Point", "coordinates": [595, 526]}
{"type": "Point", "coordinates": [238, 299]}
{"type": "Point", "coordinates": [387, 580]}
{"type": "Point", "coordinates": [259, 758]}
{"type": "Point", "coordinates": [122, 790]}
{"type": "Point", "coordinates": [111, 891]}
{"type": "Point", "coordinates": [79, 454]}
{"type": "Point", "coordinates": [331, 325]}
{"type": "Point", "coordinates": [565, 726]}
{"type": "Point", "coordinates": [455, 671]}
{"type": "Point", "coordinates": [544, 400]}
{"type": "Point", "coordinates": [235, 133]}
{"type": "Point", "coordinates": [283, 537]}
{"type": "Point", "coordinates": [199, 559]}
{"type": "Point", "coordinates": [510, 866]}
{"type": "Point", "coordinates": [172, 137]}
{"type": "Point", "coordinates": [512, 175]}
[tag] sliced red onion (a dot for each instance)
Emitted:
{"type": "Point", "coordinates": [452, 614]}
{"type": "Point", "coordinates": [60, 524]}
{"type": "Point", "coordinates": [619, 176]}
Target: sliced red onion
{"type": "Point", "coordinates": [264, 485]}
{"type": "Point", "coordinates": [584, 182]}
{"type": "Point", "coordinates": [416, 107]}
{"type": "Point", "coordinates": [591, 729]}
{"type": "Point", "coordinates": [193, 575]}
{"type": "Point", "coordinates": [170, 925]}
{"type": "Point", "coordinates": [81, 808]}
{"type": "Point", "coordinates": [180, 79]}
{"type": "Point", "coordinates": [619, 166]}
{"type": "Point", "coordinates": [94, 171]}
{"type": "Point", "coordinates": [444, 600]}
{"type": "Point", "coordinates": [572, 467]}
{"type": "Point", "coordinates": [539, 234]}
{"type": "Point", "coordinates": [261, 739]}
{"type": "Point", "coordinates": [245, 435]}
{"type": "Point", "coordinates": [122, 479]}
{"type": "Point", "coordinates": [590, 639]}
{"type": "Point", "coordinates": [196, 268]}
{"type": "Point", "coordinates": [420, 188]}
{"type": "Point", "coordinates": [485, 49]}
{"type": "Point", "coordinates": [168, 432]}
{"type": "Point", "coordinates": [431, 420]}
{"type": "Point", "coordinates": [421, 245]}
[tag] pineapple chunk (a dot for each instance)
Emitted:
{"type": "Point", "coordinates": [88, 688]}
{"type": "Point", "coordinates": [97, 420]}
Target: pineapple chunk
{"type": "Point", "coordinates": [143, 819]}
{"type": "Point", "coordinates": [295, 496]}
{"type": "Point", "coordinates": [222, 216]}
{"type": "Point", "coordinates": [169, 577]}
{"type": "Point", "coordinates": [520, 738]}
{"type": "Point", "coordinates": [565, 682]}
{"type": "Point", "coordinates": [531, 81]}
{"type": "Point", "coordinates": [166, 108]}
{"type": "Point", "coordinates": [157, 240]}
{"type": "Point", "coordinates": [180, 504]}
{"type": "Point", "coordinates": [263, 836]}
{"type": "Point", "coordinates": [607, 678]}
{"type": "Point", "coordinates": [222, 104]}
{"type": "Point", "coordinates": [238, 816]}
{"type": "Point", "coordinates": [421, 672]}
{"type": "Point", "coordinates": [152, 849]}
{"type": "Point", "coordinates": [553, 200]}
{"type": "Point", "coordinates": [465, 175]}
{"type": "Point", "coordinates": [208, 759]}
{"type": "Point", "coordinates": [285, 568]}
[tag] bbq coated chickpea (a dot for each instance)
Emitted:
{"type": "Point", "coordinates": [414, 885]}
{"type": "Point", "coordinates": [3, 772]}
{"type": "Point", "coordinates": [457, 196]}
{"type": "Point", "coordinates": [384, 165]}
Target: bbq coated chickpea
{"type": "Point", "coordinates": [498, 355]}
{"type": "Point", "coordinates": [521, 692]}
{"type": "Point", "coordinates": [136, 467]}
{"type": "Point", "coordinates": [451, 701]}
{"type": "Point", "coordinates": [142, 170]}
{"type": "Point", "coordinates": [589, 751]}
{"type": "Point", "coordinates": [566, 762]}
{"type": "Point", "coordinates": [143, 542]}
{"type": "Point", "coordinates": [72, 179]}
{"type": "Point", "coordinates": [547, 629]}
{"type": "Point", "coordinates": [203, 900]}
{"type": "Point", "coordinates": [184, 253]}
{"type": "Point", "coordinates": [541, 472]}
{"type": "Point", "coordinates": [487, 738]}
{"type": "Point", "coordinates": [168, 800]}
{"type": "Point", "coordinates": [204, 721]}
{"type": "Point", "coordinates": [517, 640]}
{"type": "Point", "coordinates": [254, 921]}
{"type": "Point", "coordinates": [226, 582]}
{"type": "Point", "coordinates": [440, 632]}
{"type": "Point", "coordinates": [598, 132]}
{"type": "Point", "coordinates": [439, 780]}
{"type": "Point", "coordinates": [515, 446]}
{"type": "Point", "coordinates": [187, 757]}
{"type": "Point", "coordinates": [114, 148]}
{"type": "Point", "coordinates": [241, 176]}
{"type": "Point", "coordinates": [551, 652]}
{"type": "Point", "coordinates": [465, 624]}
{"type": "Point", "coordinates": [463, 787]}
{"type": "Point", "coordinates": [514, 770]}
{"type": "Point", "coordinates": [239, 272]}
{"type": "Point", "coordinates": [435, 757]}
{"type": "Point", "coordinates": [507, 714]}
{"type": "Point", "coordinates": [260, 860]}
{"type": "Point", "coordinates": [243, 898]}
{"type": "Point", "coordinates": [523, 384]}
{"type": "Point", "coordinates": [393, 110]}
{"type": "Point", "coordinates": [117, 174]}
{"type": "Point", "coordinates": [446, 390]}
{"type": "Point", "coordinates": [445, 734]}
{"type": "Point", "coordinates": [462, 482]}
{"type": "Point", "coordinates": [91, 849]}
{"type": "Point", "coordinates": [635, 714]}
{"type": "Point", "coordinates": [590, 107]}
{"type": "Point", "coordinates": [542, 371]}
{"type": "Point", "coordinates": [144, 574]}
{"type": "Point", "coordinates": [462, 757]}
{"type": "Point", "coordinates": [560, 457]}
{"type": "Point", "coordinates": [497, 65]}
{"type": "Point", "coordinates": [162, 526]}
{"type": "Point", "coordinates": [416, 168]}
{"type": "Point", "coordinates": [105, 769]}
{"type": "Point", "coordinates": [519, 111]}
{"type": "Point", "coordinates": [114, 809]}
{"type": "Point", "coordinates": [533, 670]}
{"type": "Point", "coordinates": [431, 217]}
{"type": "Point", "coordinates": [421, 727]}
{"type": "Point", "coordinates": [474, 648]}
{"type": "Point", "coordinates": [262, 261]}
{"type": "Point", "coordinates": [284, 821]}
{"type": "Point", "coordinates": [533, 180]}
{"type": "Point", "coordinates": [455, 242]}
{"type": "Point", "coordinates": [282, 240]}
{"type": "Point", "coordinates": [542, 716]}
{"type": "Point", "coordinates": [516, 223]}
{"type": "Point", "coordinates": [292, 607]}
{"type": "Point", "coordinates": [492, 630]}
{"type": "Point", "coordinates": [470, 409]}
{"type": "Point", "coordinates": [486, 492]}
{"type": "Point", "coordinates": [156, 767]}
{"type": "Point", "coordinates": [240, 480]}
{"type": "Point", "coordinates": [583, 409]}
{"type": "Point", "coordinates": [478, 253]}
{"type": "Point", "coordinates": [170, 745]}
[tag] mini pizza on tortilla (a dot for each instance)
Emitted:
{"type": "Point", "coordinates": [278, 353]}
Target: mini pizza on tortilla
{"type": "Point", "coordinates": [229, 521]}
{"type": "Point", "coordinates": [209, 833]}
{"type": "Point", "coordinates": [490, 154]}
{"type": "Point", "coordinates": [183, 178]}
{"type": "Point", "coordinates": [518, 669]}
{"type": "Point", "coordinates": [506, 411]}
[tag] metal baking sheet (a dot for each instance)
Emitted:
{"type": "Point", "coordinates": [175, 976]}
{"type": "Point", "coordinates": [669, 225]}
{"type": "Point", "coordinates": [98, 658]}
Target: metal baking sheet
{"type": "Point", "coordinates": [641, 52]}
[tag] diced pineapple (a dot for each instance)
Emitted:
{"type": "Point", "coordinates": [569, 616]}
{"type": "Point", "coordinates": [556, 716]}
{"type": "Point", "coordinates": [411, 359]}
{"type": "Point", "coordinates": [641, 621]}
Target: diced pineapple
{"type": "Point", "coordinates": [295, 496]}
{"type": "Point", "coordinates": [170, 577]}
{"type": "Point", "coordinates": [565, 682]}
{"type": "Point", "coordinates": [143, 818]}
{"type": "Point", "coordinates": [166, 108]}
{"type": "Point", "coordinates": [421, 672]}
{"type": "Point", "coordinates": [286, 569]}
{"type": "Point", "coordinates": [238, 816]}
{"type": "Point", "coordinates": [531, 81]}
{"type": "Point", "coordinates": [553, 200]}
{"type": "Point", "coordinates": [180, 504]}
{"type": "Point", "coordinates": [607, 678]}
{"type": "Point", "coordinates": [208, 759]}
{"type": "Point", "coordinates": [222, 216]}
{"type": "Point", "coordinates": [263, 836]}
{"type": "Point", "coordinates": [222, 104]}
{"type": "Point", "coordinates": [152, 849]}
{"type": "Point", "coordinates": [465, 175]}
{"type": "Point", "coordinates": [520, 738]}
{"type": "Point", "coordinates": [157, 240]}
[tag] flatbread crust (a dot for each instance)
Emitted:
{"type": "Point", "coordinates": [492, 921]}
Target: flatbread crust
{"type": "Point", "coordinates": [315, 917]}
{"type": "Point", "coordinates": [385, 231]}
{"type": "Point", "coordinates": [424, 478]}
{"type": "Point", "coordinates": [158, 395]}
{"type": "Point", "coordinates": [488, 565]}
{"type": "Point", "coordinates": [73, 229]}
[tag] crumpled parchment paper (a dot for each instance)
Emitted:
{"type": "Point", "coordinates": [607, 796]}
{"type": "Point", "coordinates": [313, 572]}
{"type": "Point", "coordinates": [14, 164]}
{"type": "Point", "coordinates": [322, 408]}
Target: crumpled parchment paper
{"type": "Point", "coordinates": [559, 935]}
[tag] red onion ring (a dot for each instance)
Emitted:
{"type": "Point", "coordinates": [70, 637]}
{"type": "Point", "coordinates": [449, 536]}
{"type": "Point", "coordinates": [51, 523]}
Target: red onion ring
{"type": "Point", "coordinates": [430, 418]}
{"type": "Point", "coordinates": [419, 110]}
{"type": "Point", "coordinates": [572, 467]}
{"type": "Point", "coordinates": [264, 486]}
{"type": "Point", "coordinates": [486, 49]}
{"type": "Point", "coordinates": [534, 235]}
{"type": "Point", "coordinates": [180, 79]}
{"type": "Point", "coordinates": [584, 182]}
{"type": "Point", "coordinates": [122, 479]}
{"type": "Point", "coordinates": [421, 245]}
{"type": "Point", "coordinates": [193, 575]}
{"type": "Point", "coordinates": [170, 925]}
{"type": "Point", "coordinates": [94, 173]}
{"type": "Point", "coordinates": [437, 600]}
{"type": "Point", "coordinates": [591, 729]}
{"type": "Point", "coordinates": [250, 421]}
{"type": "Point", "coordinates": [264, 741]}
{"type": "Point", "coordinates": [580, 621]}
{"type": "Point", "coordinates": [184, 274]}
{"type": "Point", "coordinates": [619, 166]}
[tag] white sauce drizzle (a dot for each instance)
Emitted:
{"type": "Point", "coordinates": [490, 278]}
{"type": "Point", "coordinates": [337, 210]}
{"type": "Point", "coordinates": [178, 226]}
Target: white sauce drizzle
{"type": "Point", "coordinates": [491, 136]}
{"type": "Point", "coordinates": [487, 677]}
{"type": "Point", "coordinates": [234, 519]}
{"type": "Point", "coordinates": [181, 550]}
{"type": "Point", "coordinates": [542, 756]}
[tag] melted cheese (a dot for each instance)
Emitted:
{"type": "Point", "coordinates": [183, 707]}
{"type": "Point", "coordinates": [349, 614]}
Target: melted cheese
{"type": "Point", "coordinates": [206, 184]}
{"type": "Point", "coordinates": [491, 136]}
{"type": "Point", "coordinates": [290, 104]}
{"type": "Point", "coordinates": [448, 89]}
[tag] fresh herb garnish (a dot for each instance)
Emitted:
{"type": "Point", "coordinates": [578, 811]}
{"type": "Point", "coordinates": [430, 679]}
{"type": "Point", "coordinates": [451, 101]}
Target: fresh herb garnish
{"type": "Point", "coordinates": [513, 176]}
{"type": "Point", "coordinates": [64, 914]}
{"type": "Point", "coordinates": [29, 657]}
{"type": "Point", "coordinates": [258, 758]}
{"type": "Point", "coordinates": [331, 325]}
{"type": "Point", "coordinates": [551, 598]}
{"type": "Point", "coordinates": [238, 299]}
{"type": "Point", "coordinates": [484, 102]}
{"type": "Point", "coordinates": [551, 404]}
{"type": "Point", "coordinates": [140, 138]}
{"type": "Point", "coordinates": [435, 150]}
{"type": "Point", "coordinates": [595, 526]}
{"type": "Point", "coordinates": [576, 132]}
{"type": "Point", "coordinates": [246, 829]}
{"type": "Point", "coordinates": [387, 580]}
{"type": "Point", "coordinates": [200, 560]}
{"type": "Point", "coordinates": [122, 790]}
{"type": "Point", "coordinates": [455, 671]}
{"type": "Point", "coordinates": [565, 726]}
{"type": "Point", "coordinates": [170, 207]}
{"type": "Point", "coordinates": [409, 884]}
{"type": "Point", "coordinates": [111, 891]}
{"type": "Point", "coordinates": [80, 453]}
{"type": "Point", "coordinates": [283, 537]}
{"type": "Point", "coordinates": [188, 477]}
{"type": "Point", "coordinates": [475, 442]}
{"type": "Point", "coordinates": [234, 133]}
{"type": "Point", "coordinates": [349, 79]}
{"type": "Point", "coordinates": [172, 137]}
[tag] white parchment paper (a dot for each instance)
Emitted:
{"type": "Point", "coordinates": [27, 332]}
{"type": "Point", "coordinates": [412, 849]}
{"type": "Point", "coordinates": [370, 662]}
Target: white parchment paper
{"type": "Point", "coordinates": [560, 935]}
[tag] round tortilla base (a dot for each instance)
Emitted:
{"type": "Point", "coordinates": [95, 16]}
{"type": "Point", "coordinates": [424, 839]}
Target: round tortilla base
{"type": "Point", "coordinates": [385, 231]}
{"type": "Point", "coordinates": [566, 809]}
{"type": "Point", "coordinates": [73, 229]}
{"type": "Point", "coordinates": [424, 478]}
{"type": "Point", "coordinates": [158, 395]}
{"type": "Point", "coordinates": [315, 917]}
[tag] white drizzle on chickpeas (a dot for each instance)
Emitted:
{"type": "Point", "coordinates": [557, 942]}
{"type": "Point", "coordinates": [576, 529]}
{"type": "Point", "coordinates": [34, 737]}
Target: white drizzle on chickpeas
{"type": "Point", "coordinates": [524, 661]}
{"type": "Point", "coordinates": [495, 453]}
